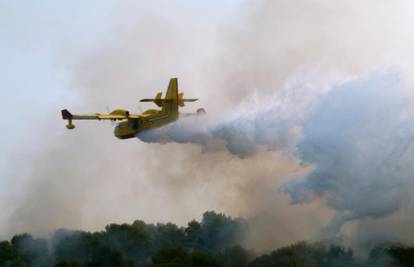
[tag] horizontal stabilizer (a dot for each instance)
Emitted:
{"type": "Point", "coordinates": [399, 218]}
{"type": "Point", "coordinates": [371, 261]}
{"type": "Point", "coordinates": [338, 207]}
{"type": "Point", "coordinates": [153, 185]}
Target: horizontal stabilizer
{"type": "Point", "coordinates": [150, 100]}
{"type": "Point", "coordinates": [160, 102]}
{"type": "Point", "coordinates": [167, 100]}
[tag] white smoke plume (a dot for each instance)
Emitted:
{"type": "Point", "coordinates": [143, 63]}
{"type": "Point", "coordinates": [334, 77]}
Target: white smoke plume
{"type": "Point", "coordinates": [359, 141]}
{"type": "Point", "coordinates": [273, 123]}
{"type": "Point", "coordinates": [355, 135]}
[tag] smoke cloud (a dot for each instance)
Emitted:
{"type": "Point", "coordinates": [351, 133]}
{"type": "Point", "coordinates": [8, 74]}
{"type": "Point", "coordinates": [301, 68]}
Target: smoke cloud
{"type": "Point", "coordinates": [355, 135]}
{"type": "Point", "coordinates": [272, 123]}
{"type": "Point", "coordinates": [358, 140]}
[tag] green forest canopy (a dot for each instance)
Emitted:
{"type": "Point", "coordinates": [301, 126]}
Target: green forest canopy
{"type": "Point", "coordinates": [216, 241]}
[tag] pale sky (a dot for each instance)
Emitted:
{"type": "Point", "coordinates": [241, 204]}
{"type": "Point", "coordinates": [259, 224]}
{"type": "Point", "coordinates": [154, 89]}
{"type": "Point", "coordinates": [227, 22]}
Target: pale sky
{"type": "Point", "coordinates": [40, 42]}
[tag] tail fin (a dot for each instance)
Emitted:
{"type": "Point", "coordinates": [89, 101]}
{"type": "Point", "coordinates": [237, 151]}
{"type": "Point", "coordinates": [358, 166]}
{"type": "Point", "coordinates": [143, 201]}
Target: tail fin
{"type": "Point", "coordinates": [66, 115]}
{"type": "Point", "coordinates": [172, 100]}
{"type": "Point", "coordinates": [171, 105]}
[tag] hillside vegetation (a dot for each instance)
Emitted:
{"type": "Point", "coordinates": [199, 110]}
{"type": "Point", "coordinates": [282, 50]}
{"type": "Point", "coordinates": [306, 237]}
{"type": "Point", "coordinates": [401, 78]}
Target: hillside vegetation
{"type": "Point", "coordinates": [216, 241]}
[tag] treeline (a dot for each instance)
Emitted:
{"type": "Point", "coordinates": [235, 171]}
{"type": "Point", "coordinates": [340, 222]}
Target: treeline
{"type": "Point", "coordinates": [216, 241]}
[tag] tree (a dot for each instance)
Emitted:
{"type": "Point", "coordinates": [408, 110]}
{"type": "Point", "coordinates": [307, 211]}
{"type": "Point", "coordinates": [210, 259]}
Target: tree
{"type": "Point", "coordinates": [402, 255]}
{"type": "Point", "coordinates": [303, 254]}
{"type": "Point", "coordinates": [9, 256]}
{"type": "Point", "coordinates": [65, 263]}
{"type": "Point", "coordinates": [235, 257]}
{"type": "Point", "coordinates": [168, 236]}
{"type": "Point", "coordinates": [176, 257]}
{"type": "Point", "coordinates": [202, 259]}
{"type": "Point", "coordinates": [134, 240]}
{"type": "Point", "coordinates": [220, 231]}
{"type": "Point", "coordinates": [34, 252]}
{"type": "Point", "coordinates": [193, 234]}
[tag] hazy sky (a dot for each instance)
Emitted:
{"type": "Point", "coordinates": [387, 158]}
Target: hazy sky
{"type": "Point", "coordinates": [40, 43]}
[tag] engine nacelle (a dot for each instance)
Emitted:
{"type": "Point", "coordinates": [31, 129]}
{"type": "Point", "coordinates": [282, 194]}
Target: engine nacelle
{"type": "Point", "coordinates": [121, 112]}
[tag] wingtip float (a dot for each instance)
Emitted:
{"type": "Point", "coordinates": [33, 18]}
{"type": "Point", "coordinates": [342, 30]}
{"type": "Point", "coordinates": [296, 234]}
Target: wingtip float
{"type": "Point", "coordinates": [131, 124]}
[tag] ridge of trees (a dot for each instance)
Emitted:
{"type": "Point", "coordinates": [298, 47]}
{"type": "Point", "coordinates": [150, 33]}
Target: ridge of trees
{"type": "Point", "coordinates": [216, 241]}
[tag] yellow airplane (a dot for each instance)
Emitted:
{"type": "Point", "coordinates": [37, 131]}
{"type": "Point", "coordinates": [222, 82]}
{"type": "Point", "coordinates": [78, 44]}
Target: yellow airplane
{"type": "Point", "coordinates": [132, 124]}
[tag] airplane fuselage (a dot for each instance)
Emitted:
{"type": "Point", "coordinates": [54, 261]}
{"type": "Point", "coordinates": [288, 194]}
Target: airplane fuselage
{"type": "Point", "coordinates": [151, 118]}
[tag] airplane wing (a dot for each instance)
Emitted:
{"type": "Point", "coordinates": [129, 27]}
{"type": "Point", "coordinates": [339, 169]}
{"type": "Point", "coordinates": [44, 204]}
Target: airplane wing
{"type": "Point", "coordinates": [66, 115]}
{"type": "Point", "coordinates": [115, 115]}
